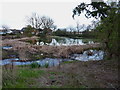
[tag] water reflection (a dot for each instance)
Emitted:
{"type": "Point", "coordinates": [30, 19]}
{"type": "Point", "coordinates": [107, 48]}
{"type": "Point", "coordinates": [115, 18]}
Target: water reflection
{"type": "Point", "coordinates": [66, 42]}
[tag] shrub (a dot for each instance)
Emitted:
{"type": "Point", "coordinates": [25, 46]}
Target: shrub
{"type": "Point", "coordinates": [46, 65]}
{"type": "Point", "coordinates": [34, 65]}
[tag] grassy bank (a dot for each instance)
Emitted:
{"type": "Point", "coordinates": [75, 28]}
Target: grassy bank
{"type": "Point", "coordinates": [74, 74]}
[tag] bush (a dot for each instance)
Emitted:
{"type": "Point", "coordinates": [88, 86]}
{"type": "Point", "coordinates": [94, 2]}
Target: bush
{"type": "Point", "coordinates": [46, 65]}
{"type": "Point", "coordinates": [34, 65]}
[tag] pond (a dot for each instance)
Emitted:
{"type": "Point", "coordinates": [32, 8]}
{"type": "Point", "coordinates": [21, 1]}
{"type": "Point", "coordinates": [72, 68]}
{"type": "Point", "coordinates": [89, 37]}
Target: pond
{"type": "Point", "coordinates": [68, 41]}
{"type": "Point", "coordinates": [1, 33]}
{"type": "Point", "coordinates": [85, 56]}
{"type": "Point", "coordinates": [7, 47]}
{"type": "Point", "coordinates": [57, 41]}
{"type": "Point", "coordinates": [7, 61]}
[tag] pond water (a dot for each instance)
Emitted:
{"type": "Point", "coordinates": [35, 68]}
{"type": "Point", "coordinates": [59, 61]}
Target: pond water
{"type": "Point", "coordinates": [86, 56]}
{"type": "Point", "coordinates": [7, 47]}
{"type": "Point", "coordinates": [7, 61]}
{"type": "Point", "coordinates": [1, 33]}
{"type": "Point", "coordinates": [42, 62]}
{"type": "Point", "coordinates": [57, 41]}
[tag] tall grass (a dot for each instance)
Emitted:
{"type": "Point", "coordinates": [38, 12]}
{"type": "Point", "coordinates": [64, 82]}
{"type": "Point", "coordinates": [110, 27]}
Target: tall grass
{"type": "Point", "coordinates": [8, 75]}
{"type": "Point", "coordinates": [20, 77]}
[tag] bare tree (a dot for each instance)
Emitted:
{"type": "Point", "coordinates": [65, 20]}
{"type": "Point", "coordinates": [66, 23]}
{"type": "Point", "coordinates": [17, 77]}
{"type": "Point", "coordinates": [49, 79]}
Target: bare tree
{"type": "Point", "coordinates": [54, 27]}
{"type": "Point", "coordinates": [38, 22]}
{"type": "Point", "coordinates": [5, 27]}
{"type": "Point", "coordinates": [79, 27]}
{"type": "Point", "coordinates": [88, 28]}
{"type": "Point", "coordinates": [94, 24]}
{"type": "Point", "coordinates": [71, 28]}
{"type": "Point", "coordinates": [83, 26]}
{"type": "Point", "coordinates": [47, 22]}
{"type": "Point", "coordinates": [34, 21]}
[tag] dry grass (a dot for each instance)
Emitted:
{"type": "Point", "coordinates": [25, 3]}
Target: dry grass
{"type": "Point", "coordinates": [54, 51]}
{"type": "Point", "coordinates": [9, 74]}
{"type": "Point", "coordinates": [92, 74]}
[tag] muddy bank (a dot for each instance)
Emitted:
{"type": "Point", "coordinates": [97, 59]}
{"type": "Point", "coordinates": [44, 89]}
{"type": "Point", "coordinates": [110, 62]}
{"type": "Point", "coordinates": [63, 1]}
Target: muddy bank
{"type": "Point", "coordinates": [24, 48]}
{"type": "Point", "coordinates": [65, 51]}
{"type": "Point", "coordinates": [51, 62]}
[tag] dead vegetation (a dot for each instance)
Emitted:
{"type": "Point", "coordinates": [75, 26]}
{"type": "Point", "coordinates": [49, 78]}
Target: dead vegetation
{"type": "Point", "coordinates": [91, 74]}
{"type": "Point", "coordinates": [54, 51]}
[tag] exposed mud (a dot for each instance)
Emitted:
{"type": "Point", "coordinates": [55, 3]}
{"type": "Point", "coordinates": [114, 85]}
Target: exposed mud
{"type": "Point", "coordinates": [51, 51]}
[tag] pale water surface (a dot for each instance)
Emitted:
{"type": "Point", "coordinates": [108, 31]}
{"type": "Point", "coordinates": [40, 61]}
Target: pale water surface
{"type": "Point", "coordinates": [96, 55]}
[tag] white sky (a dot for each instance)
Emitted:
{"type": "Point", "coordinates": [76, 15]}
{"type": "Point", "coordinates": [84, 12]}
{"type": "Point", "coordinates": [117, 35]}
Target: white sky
{"type": "Point", "coordinates": [13, 12]}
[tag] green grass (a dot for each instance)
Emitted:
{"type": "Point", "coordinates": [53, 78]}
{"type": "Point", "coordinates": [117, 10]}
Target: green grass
{"type": "Point", "coordinates": [23, 65]}
{"type": "Point", "coordinates": [51, 77]}
{"type": "Point", "coordinates": [29, 73]}
{"type": "Point", "coordinates": [74, 87]}
{"type": "Point", "coordinates": [55, 73]}
{"type": "Point", "coordinates": [70, 61]}
{"type": "Point", "coordinates": [53, 86]}
{"type": "Point", "coordinates": [24, 78]}
{"type": "Point", "coordinates": [67, 87]}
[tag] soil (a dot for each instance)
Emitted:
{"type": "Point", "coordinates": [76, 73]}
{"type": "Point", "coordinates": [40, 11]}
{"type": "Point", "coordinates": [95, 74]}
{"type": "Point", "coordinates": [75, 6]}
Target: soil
{"type": "Point", "coordinates": [22, 48]}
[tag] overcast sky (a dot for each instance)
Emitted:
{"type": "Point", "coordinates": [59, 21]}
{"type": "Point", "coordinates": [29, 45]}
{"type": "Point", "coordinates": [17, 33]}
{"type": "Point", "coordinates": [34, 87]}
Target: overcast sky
{"type": "Point", "coordinates": [13, 13]}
